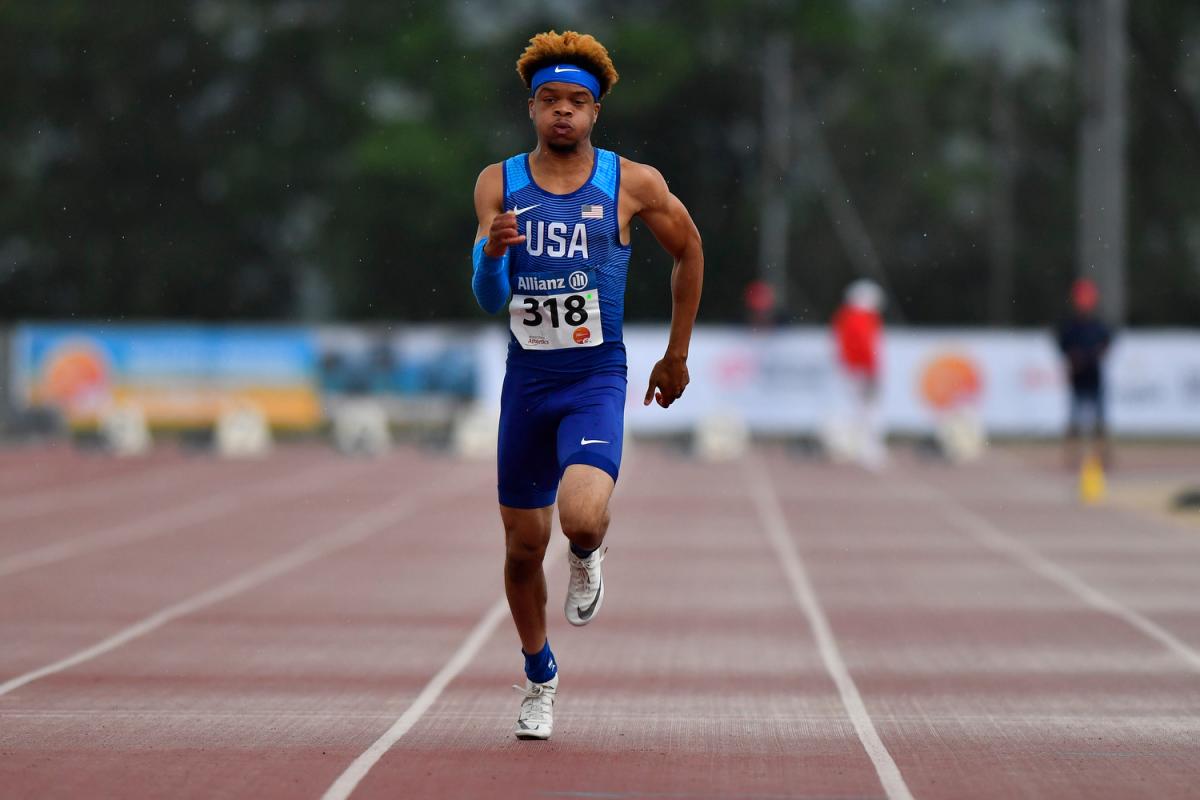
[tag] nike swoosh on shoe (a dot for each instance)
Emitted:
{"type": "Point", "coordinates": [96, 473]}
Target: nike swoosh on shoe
{"type": "Point", "coordinates": [586, 613]}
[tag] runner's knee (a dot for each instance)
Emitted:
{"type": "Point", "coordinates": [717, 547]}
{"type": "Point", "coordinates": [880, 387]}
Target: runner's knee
{"type": "Point", "coordinates": [526, 539]}
{"type": "Point", "coordinates": [523, 558]}
{"type": "Point", "coordinates": [521, 550]}
{"type": "Point", "coordinates": [585, 528]}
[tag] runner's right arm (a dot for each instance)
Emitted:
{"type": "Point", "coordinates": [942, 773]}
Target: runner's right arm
{"type": "Point", "coordinates": [497, 231]}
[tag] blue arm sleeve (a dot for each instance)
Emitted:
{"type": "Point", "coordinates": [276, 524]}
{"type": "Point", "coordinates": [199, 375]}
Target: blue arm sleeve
{"type": "Point", "coordinates": [490, 281]}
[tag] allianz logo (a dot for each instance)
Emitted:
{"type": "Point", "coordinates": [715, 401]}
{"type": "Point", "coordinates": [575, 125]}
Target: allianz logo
{"type": "Point", "coordinates": [577, 280]}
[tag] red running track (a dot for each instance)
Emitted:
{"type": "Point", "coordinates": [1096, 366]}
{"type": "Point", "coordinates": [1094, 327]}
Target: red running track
{"type": "Point", "coordinates": [773, 629]}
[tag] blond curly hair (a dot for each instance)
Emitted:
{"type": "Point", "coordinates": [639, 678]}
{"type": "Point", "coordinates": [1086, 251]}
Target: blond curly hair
{"type": "Point", "coordinates": [568, 47]}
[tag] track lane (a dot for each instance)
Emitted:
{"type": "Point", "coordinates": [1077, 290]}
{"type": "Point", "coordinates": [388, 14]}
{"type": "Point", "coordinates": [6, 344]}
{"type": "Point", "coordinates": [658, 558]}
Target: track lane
{"type": "Point", "coordinates": [124, 480]}
{"type": "Point", "coordinates": [50, 612]}
{"type": "Point", "coordinates": [292, 663]}
{"type": "Point", "coordinates": [982, 677]}
{"type": "Point", "coordinates": [700, 678]}
{"type": "Point", "coordinates": [26, 468]}
{"type": "Point", "coordinates": [985, 678]}
{"type": "Point", "coordinates": [205, 498]}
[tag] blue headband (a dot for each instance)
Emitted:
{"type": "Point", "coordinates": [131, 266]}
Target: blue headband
{"type": "Point", "coordinates": [566, 73]}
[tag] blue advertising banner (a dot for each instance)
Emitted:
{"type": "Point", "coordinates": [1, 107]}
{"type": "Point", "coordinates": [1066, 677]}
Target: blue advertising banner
{"type": "Point", "coordinates": [177, 375]}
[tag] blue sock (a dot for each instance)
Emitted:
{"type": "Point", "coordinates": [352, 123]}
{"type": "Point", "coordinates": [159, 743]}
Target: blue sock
{"type": "Point", "coordinates": [580, 552]}
{"type": "Point", "coordinates": [540, 666]}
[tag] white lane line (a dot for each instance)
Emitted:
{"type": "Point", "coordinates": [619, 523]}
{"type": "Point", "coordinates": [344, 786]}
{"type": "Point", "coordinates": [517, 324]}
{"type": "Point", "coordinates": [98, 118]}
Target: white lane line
{"type": "Point", "coordinates": [353, 532]}
{"type": "Point", "coordinates": [155, 477]}
{"type": "Point", "coordinates": [166, 521]}
{"type": "Point", "coordinates": [994, 538]}
{"type": "Point", "coordinates": [774, 522]}
{"type": "Point", "coordinates": [348, 781]}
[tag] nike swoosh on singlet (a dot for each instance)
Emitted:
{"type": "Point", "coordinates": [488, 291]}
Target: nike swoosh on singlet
{"type": "Point", "coordinates": [516, 212]}
{"type": "Point", "coordinates": [593, 441]}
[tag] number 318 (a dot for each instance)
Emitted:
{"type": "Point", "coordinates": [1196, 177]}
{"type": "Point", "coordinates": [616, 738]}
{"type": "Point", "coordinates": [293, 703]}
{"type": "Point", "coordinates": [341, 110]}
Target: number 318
{"type": "Point", "coordinates": [574, 312]}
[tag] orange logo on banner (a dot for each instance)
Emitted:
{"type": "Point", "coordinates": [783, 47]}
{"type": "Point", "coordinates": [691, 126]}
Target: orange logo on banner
{"type": "Point", "coordinates": [74, 377]}
{"type": "Point", "coordinates": [950, 380]}
{"type": "Point", "coordinates": [582, 335]}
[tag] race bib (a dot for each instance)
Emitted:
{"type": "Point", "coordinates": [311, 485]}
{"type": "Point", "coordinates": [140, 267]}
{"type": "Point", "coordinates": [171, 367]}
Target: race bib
{"type": "Point", "coordinates": [556, 310]}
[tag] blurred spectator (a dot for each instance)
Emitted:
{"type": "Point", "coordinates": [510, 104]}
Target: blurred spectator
{"type": "Point", "coordinates": [1084, 340]}
{"type": "Point", "coordinates": [759, 298]}
{"type": "Point", "coordinates": [857, 328]}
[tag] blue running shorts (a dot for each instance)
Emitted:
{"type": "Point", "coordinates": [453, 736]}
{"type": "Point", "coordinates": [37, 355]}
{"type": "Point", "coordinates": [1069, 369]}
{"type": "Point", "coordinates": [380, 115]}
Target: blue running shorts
{"type": "Point", "coordinates": [549, 422]}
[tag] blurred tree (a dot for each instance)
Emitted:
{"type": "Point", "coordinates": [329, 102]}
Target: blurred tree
{"type": "Point", "coordinates": [268, 159]}
{"type": "Point", "coordinates": [1164, 154]}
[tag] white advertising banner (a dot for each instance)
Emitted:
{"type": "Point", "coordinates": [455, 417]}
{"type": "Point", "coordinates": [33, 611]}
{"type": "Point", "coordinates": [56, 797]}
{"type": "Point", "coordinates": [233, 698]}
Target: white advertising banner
{"type": "Point", "coordinates": [786, 381]}
{"type": "Point", "coordinates": [1011, 379]}
{"type": "Point", "coordinates": [779, 382]}
{"type": "Point", "coordinates": [1154, 383]}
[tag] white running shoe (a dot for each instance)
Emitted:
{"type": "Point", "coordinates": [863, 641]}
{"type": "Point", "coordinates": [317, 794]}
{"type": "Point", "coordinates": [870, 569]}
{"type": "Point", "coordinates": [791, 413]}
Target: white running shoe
{"type": "Point", "coordinates": [536, 720]}
{"type": "Point", "coordinates": [585, 592]}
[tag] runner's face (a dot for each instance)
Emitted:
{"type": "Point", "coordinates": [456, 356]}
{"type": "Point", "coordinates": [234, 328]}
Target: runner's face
{"type": "Point", "coordinates": [563, 114]}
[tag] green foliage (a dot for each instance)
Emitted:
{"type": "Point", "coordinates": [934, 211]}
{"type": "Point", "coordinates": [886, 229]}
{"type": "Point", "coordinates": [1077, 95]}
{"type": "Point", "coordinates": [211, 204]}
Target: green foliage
{"type": "Point", "coordinates": [207, 159]}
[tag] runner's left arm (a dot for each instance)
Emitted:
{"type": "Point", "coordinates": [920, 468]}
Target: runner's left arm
{"type": "Point", "coordinates": [672, 226]}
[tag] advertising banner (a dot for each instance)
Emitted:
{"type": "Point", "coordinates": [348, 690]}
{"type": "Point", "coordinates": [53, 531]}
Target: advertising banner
{"type": "Point", "coordinates": [1016, 383]}
{"type": "Point", "coordinates": [419, 374]}
{"type": "Point", "coordinates": [177, 375]}
{"type": "Point", "coordinates": [784, 381]}
{"type": "Point", "coordinates": [778, 382]}
{"type": "Point", "coordinates": [787, 381]}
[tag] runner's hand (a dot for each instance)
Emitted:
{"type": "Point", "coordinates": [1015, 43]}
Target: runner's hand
{"type": "Point", "coordinates": [667, 380]}
{"type": "Point", "coordinates": [502, 234]}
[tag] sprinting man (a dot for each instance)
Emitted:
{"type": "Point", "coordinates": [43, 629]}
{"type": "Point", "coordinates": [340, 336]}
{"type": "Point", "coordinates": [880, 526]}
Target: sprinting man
{"type": "Point", "coordinates": [1084, 340]}
{"type": "Point", "coordinates": [553, 241]}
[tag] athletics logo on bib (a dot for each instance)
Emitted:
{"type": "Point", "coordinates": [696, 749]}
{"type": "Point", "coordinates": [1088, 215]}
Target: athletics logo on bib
{"type": "Point", "coordinates": [553, 311]}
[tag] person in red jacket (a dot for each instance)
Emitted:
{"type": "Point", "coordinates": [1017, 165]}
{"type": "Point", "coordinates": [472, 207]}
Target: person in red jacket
{"type": "Point", "coordinates": [858, 329]}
